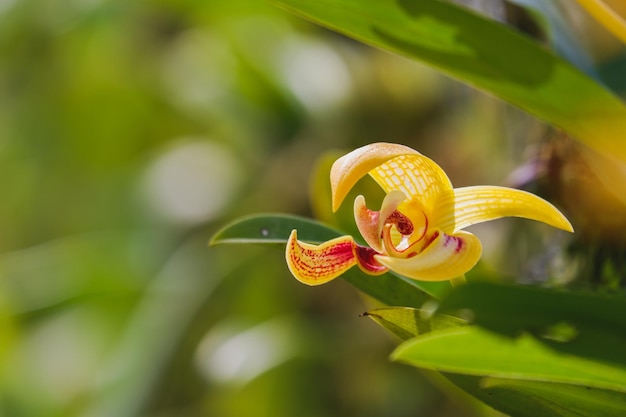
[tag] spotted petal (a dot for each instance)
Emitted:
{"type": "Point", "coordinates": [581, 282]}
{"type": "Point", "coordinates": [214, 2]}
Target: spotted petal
{"type": "Point", "coordinates": [318, 264]}
{"type": "Point", "coordinates": [415, 175]}
{"type": "Point", "coordinates": [470, 205]}
{"type": "Point", "coordinates": [446, 257]}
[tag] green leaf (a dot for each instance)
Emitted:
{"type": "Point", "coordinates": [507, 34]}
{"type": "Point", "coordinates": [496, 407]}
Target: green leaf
{"type": "Point", "coordinates": [521, 398]}
{"type": "Point", "coordinates": [583, 324]}
{"type": "Point", "coordinates": [516, 397]}
{"type": "Point", "coordinates": [406, 322]}
{"type": "Point", "coordinates": [391, 289]}
{"type": "Point", "coordinates": [553, 18]}
{"type": "Point", "coordinates": [483, 53]}
{"type": "Point", "coordinates": [471, 350]}
{"type": "Point", "coordinates": [274, 229]}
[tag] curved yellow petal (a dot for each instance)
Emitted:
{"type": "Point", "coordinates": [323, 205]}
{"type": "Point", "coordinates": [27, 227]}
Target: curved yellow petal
{"type": "Point", "coordinates": [470, 205]}
{"type": "Point", "coordinates": [445, 258]}
{"type": "Point", "coordinates": [370, 223]}
{"type": "Point", "coordinates": [350, 168]}
{"type": "Point", "coordinates": [415, 175]}
{"type": "Point", "coordinates": [318, 264]}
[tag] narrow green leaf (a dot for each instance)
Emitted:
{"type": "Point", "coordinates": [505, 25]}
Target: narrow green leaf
{"type": "Point", "coordinates": [552, 16]}
{"type": "Point", "coordinates": [406, 322]}
{"type": "Point", "coordinates": [519, 398]}
{"type": "Point", "coordinates": [485, 54]}
{"type": "Point", "coordinates": [498, 304]}
{"type": "Point", "coordinates": [583, 324]}
{"type": "Point", "coordinates": [470, 350]}
{"type": "Point", "coordinates": [274, 229]}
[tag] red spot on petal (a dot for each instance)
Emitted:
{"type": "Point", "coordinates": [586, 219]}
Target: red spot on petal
{"type": "Point", "coordinates": [460, 243]}
{"type": "Point", "coordinates": [365, 256]}
{"type": "Point", "coordinates": [402, 222]}
{"type": "Point", "coordinates": [319, 263]}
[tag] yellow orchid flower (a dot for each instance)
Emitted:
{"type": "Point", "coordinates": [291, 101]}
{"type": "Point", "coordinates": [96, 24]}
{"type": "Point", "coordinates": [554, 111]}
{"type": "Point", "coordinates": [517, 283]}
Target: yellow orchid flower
{"type": "Point", "coordinates": [417, 232]}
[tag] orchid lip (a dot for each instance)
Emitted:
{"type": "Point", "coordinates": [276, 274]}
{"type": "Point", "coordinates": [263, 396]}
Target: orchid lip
{"type": "Point", "coordinates": [406, 228]}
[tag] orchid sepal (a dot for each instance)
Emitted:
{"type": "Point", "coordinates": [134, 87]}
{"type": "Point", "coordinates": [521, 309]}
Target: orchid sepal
{"type": "Point", "coordinates": [415, 176]}
{"type": "Point", "coordinates": [466, 206]}
{"type": "Point", "coordinates": [350, 168]}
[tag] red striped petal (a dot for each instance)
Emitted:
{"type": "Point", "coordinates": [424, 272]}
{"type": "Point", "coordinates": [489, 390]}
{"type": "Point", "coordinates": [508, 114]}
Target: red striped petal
{"type": "Point", "coordinates": [318, 264]}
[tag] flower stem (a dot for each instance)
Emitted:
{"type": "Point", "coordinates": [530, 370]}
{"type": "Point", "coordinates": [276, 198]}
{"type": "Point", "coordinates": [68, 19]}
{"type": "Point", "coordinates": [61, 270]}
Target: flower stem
{"type": "Point", "coordinates": [458, 281]}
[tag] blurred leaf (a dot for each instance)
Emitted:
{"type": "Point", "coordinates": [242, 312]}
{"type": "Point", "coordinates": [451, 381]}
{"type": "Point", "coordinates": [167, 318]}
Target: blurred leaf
{"type": "Point", "coordinates": [319, 188]}
{"type": "Point", "coordinates": [525, 363]}
{"type": "Point", "coordinates": [515, 397]}
{"type": "Point", "coordinates": [552, 16]}
{"type": "Point", "coordinates": [388, 288]}
{"type": "Point", "coordinates": [406, 322]}
{"type": "Point", "coordinates": [393, 290]}
{"type": "Point", "coordinates": [565, 39]}
{"type": "Point", "coordinates": [589, 325]}
{"type": "Point", "coordinates": [160, 320]}
{"type": "Point", "coordinates": [521, 398]}
{"type": "Point", "coordinates": [470, 350]}
{"type": "Point", "coordinates": [612, 72]}
{"type": "Point", "coordinates": [483, 53]}
{"type": "Point", "coordinates": [496, 305]}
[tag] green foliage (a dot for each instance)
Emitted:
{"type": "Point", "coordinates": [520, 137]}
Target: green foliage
{"type": "Point", "coordinates": [537, 398]}
{"type": "Point", "coordinates": [485, 54]}
{"type": "Point", "coordinates": [471, 350]}
{"type": "Point", "coordinates": [405, 322]}
{"type": "Point", "coordinates": [571, 322]}
{"type": "Point", "coordinates": [131, 133]}
{"type": "Point", "coordinates": [515, 372]}
{"type": "Point", "coordinates": [527, 351]}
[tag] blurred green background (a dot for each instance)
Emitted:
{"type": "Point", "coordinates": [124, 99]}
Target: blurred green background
{"type": "Point", "coordinates": [131, 131]}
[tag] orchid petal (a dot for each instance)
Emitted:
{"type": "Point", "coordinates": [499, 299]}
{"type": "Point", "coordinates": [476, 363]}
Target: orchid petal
{"type": "Point", "coordinates": [446, 257]}
{"type": "Point", "coordinates": [370, 223]}
{"type": "Point", "coordinates": [367, 223]}
{"type": "Point", "coordinates": [318, 264]}
{"type": "Point", "coordinates": [350, 168]}
{"type": "Point", "coordinates": [415, 175]}
{"type": "Point", "coordinates": [471, 205]}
